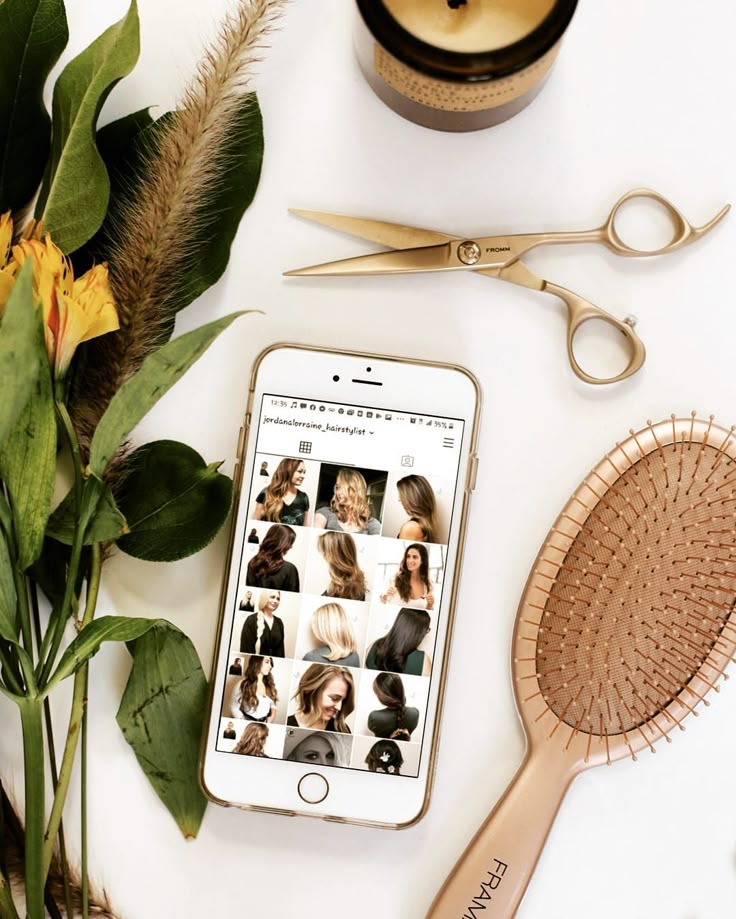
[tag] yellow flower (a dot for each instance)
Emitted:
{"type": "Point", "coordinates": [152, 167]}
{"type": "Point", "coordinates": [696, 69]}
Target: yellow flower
{"type": "Point", "coordinates": [73, 310]}
{"type": "Point", "coordinates": [7, 268]}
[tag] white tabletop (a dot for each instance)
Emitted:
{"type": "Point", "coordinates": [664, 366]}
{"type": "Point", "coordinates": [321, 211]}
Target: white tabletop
{"type": "Point", "coordinates": [642, 96]}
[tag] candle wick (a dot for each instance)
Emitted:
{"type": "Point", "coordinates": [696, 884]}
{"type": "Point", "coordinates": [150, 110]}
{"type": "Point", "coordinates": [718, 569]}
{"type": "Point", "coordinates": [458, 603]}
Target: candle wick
{"type": "Point", "coordinates": [456, 4]}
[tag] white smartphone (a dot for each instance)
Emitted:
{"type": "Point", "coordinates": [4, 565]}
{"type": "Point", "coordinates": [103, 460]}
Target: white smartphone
{"type": "Point", "coordinates": [352, 488]}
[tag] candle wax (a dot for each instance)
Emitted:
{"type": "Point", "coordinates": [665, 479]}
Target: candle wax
{"type": "Point", "coordinates": [475, 27]}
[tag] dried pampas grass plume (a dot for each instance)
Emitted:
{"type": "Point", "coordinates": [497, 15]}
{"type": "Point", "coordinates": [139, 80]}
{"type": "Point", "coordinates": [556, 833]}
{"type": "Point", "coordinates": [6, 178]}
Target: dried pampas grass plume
{"type": "Point", "coordinates": [154, 223]}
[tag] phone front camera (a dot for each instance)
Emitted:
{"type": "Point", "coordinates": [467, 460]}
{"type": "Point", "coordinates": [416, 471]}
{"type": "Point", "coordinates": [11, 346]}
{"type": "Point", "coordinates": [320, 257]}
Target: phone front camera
{"type": "Point", "coordinates": [368, 369]}
{"type": "Point", "coordinates": [335, 378]}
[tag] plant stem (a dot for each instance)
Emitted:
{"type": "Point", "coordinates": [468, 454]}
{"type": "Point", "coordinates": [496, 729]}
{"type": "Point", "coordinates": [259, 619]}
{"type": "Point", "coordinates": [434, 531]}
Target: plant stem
{"type": "Point", "coordinates": [7, 907]}
{"type": "Point", "coordinates": [85, 880]}
{"type": "Point", "coordinates": [12, 675]}
{"type": "Point", "coordinates": [62, 414]}
{"type": "Point", "coordinates": [32, 723]}
{"type": "Point", "coordinates": [57, 630]}
{"type": "Point", "coordinates": [15, 830]}
{"type": "Point", "coordinates": [21, 592]}
{"type": "Point", "coordinates": [52, 762]}
{"type": "Point", "coordinates": [76, 714]}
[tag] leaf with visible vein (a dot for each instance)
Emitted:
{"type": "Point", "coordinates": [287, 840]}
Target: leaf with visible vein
{"type": "Point", "coordinates": [161, 716]}
{"type": "Point", "coordinates": [76, 188]}
{"type": "Point", "coordinates": [175, 503]}
{"type": "Point", "coordinates": [142, 391]}
{"type": "Point", "coordinates": [106, 525]}
{"type": "Point", "coordinates": [88, 642]}
{"type": "Point", "coordinates": [19, 359]}
{"type": "Point", "coordinates": [33, 34]}
{"type": "Point", "coordinates": [8, 597]}
{"type": "Point", "coordinates": [28, 462]}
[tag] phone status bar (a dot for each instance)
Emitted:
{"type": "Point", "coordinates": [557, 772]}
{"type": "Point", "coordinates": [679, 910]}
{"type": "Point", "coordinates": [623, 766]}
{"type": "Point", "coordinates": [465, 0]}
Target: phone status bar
{"type": "Point", "coordinates": [361, 412]}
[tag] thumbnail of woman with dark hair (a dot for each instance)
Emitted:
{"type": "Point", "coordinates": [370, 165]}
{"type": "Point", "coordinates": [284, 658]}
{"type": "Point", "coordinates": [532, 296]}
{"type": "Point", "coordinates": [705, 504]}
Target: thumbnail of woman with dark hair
{"type": "Point", "coordinates": [252, 740]}
{"type": "Point", "coordinates": [331, 627]}
{"type": "Point", "coordinates": [254, 697]}
{"type": "Point", "coordinates": [321, 750]}
{"type": "Point", "coordinates": [349, 509]}
{"type": "Point", "coordinates": [398, 649]}
{"type": "Point", "coordinates": [347, 581]}
{"type": "Point", "coordinates": [385, 756]}
{"type": "Point", "coordinates": [268, 568]}
{"type": "Point", "coordinates": [263, 632]}
{"type": "Point", "coordinates": [412, 584]}
{"type": "Point", "coordinates": [281, 500]}
{"type": "Point", "coordinates": [418, 500]}
{"type": "Point", "coordinates": [396, 719]}
{"type": "Point", "coordinates": [324, 697]}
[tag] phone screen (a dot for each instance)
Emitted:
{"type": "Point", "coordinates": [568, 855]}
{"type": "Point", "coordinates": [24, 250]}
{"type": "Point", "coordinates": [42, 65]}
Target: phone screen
{"type": "Point", "coordinates": [332, 635]}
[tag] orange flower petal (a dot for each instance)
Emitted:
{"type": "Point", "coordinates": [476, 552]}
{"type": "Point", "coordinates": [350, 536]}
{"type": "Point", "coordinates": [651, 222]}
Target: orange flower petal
{"type": "Point", "coordinates": [6, 238]}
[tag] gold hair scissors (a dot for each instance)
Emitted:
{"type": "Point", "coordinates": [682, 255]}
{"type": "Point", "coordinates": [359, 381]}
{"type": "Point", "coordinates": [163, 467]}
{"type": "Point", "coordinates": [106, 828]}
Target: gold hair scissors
{"type": "Point", "coordinates": [500, 257]}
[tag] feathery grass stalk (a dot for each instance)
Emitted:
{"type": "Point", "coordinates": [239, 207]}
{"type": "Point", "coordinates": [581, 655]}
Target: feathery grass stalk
{"type": "Point", "coordinates": [153, 227]}
{"type": "Point", "coordinates": [79, 693]}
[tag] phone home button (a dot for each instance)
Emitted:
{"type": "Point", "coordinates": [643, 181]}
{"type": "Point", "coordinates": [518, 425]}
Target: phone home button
{"type": "Point", "coordinates": [313, 788]}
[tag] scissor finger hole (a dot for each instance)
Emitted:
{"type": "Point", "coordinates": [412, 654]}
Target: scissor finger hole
{"type": "Point", "coordinates": [645, 224]}
{"type": "Point", "coordinates": [600, 349]}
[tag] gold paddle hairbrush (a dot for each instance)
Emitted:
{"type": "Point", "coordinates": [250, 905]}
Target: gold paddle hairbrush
{"type": "Point", "coordinates": [626, 623]}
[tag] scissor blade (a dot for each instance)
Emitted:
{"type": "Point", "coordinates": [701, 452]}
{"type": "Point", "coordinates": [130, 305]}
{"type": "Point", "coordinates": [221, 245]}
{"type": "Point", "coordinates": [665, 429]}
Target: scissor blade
{"type": "Point", "coordinates": [518, 273]}
{"type": "Point", "coordinates": [393, 235]}
{"type": "Point", "coordinates": [424, 258]}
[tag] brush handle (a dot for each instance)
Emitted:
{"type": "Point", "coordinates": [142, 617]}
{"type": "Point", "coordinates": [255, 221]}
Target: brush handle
{"type": "Point", "coordinates": [492, 875]}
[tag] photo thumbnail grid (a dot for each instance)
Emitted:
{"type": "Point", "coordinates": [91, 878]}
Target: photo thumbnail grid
{"type": "Point", "coordinates": [333, 634]}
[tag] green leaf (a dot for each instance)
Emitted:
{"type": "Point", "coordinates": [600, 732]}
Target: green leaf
{"type": "Point", "coordinates": [76, 188]}
{"type": "Point", "coordinates": [8, 596]}
{"type": "Point", "coordinates": [88, 642]}
{"type": "Point", "coordinates": [50, 569]}
{"type": "Point", "coordinates": [141, 392]}
{"type": "Point", "coordinates": [19, 360]}
{"type": "Point", "coordinates": [106, 525]}
{"type": "Point", "coordinates": [223, 206]}
{"type": "Point", "coordinates": [34, 33]}
{"type": "Point", "coordinates": [120, 144]}
{"type": "Point", "coordinates": [174, 503]}
{"type": "Point", "coordinates": [161, 715]}
{"type": "Point", "coordinates": [28, 462]}
{"type": "Point", "coordinates": [116, 140]}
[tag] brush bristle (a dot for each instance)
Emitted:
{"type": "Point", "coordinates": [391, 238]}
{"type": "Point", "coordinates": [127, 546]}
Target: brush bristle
{"type": "Point", "coordinates": [643, 600]}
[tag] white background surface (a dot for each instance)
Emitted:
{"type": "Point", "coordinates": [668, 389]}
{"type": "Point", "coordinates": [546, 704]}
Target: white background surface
{"type": "Point", "coordinates": [642, 95]}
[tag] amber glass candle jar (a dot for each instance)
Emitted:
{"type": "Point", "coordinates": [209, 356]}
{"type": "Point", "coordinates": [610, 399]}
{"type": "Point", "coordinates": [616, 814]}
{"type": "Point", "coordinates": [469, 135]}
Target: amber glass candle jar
{"type": "Point", "coordinates": [459, 65]}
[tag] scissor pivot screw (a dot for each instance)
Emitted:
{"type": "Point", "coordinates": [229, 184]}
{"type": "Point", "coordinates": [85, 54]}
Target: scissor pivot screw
{"type": "Point", "coordinates": [468, 252]}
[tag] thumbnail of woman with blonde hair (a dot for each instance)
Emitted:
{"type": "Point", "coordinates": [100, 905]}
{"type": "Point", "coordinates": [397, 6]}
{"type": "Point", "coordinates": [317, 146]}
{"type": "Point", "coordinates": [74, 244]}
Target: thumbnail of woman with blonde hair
{"type": "Point", "coordinates": [349, 509]}
{"type": "Point", "coordinates": [334, 631]}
